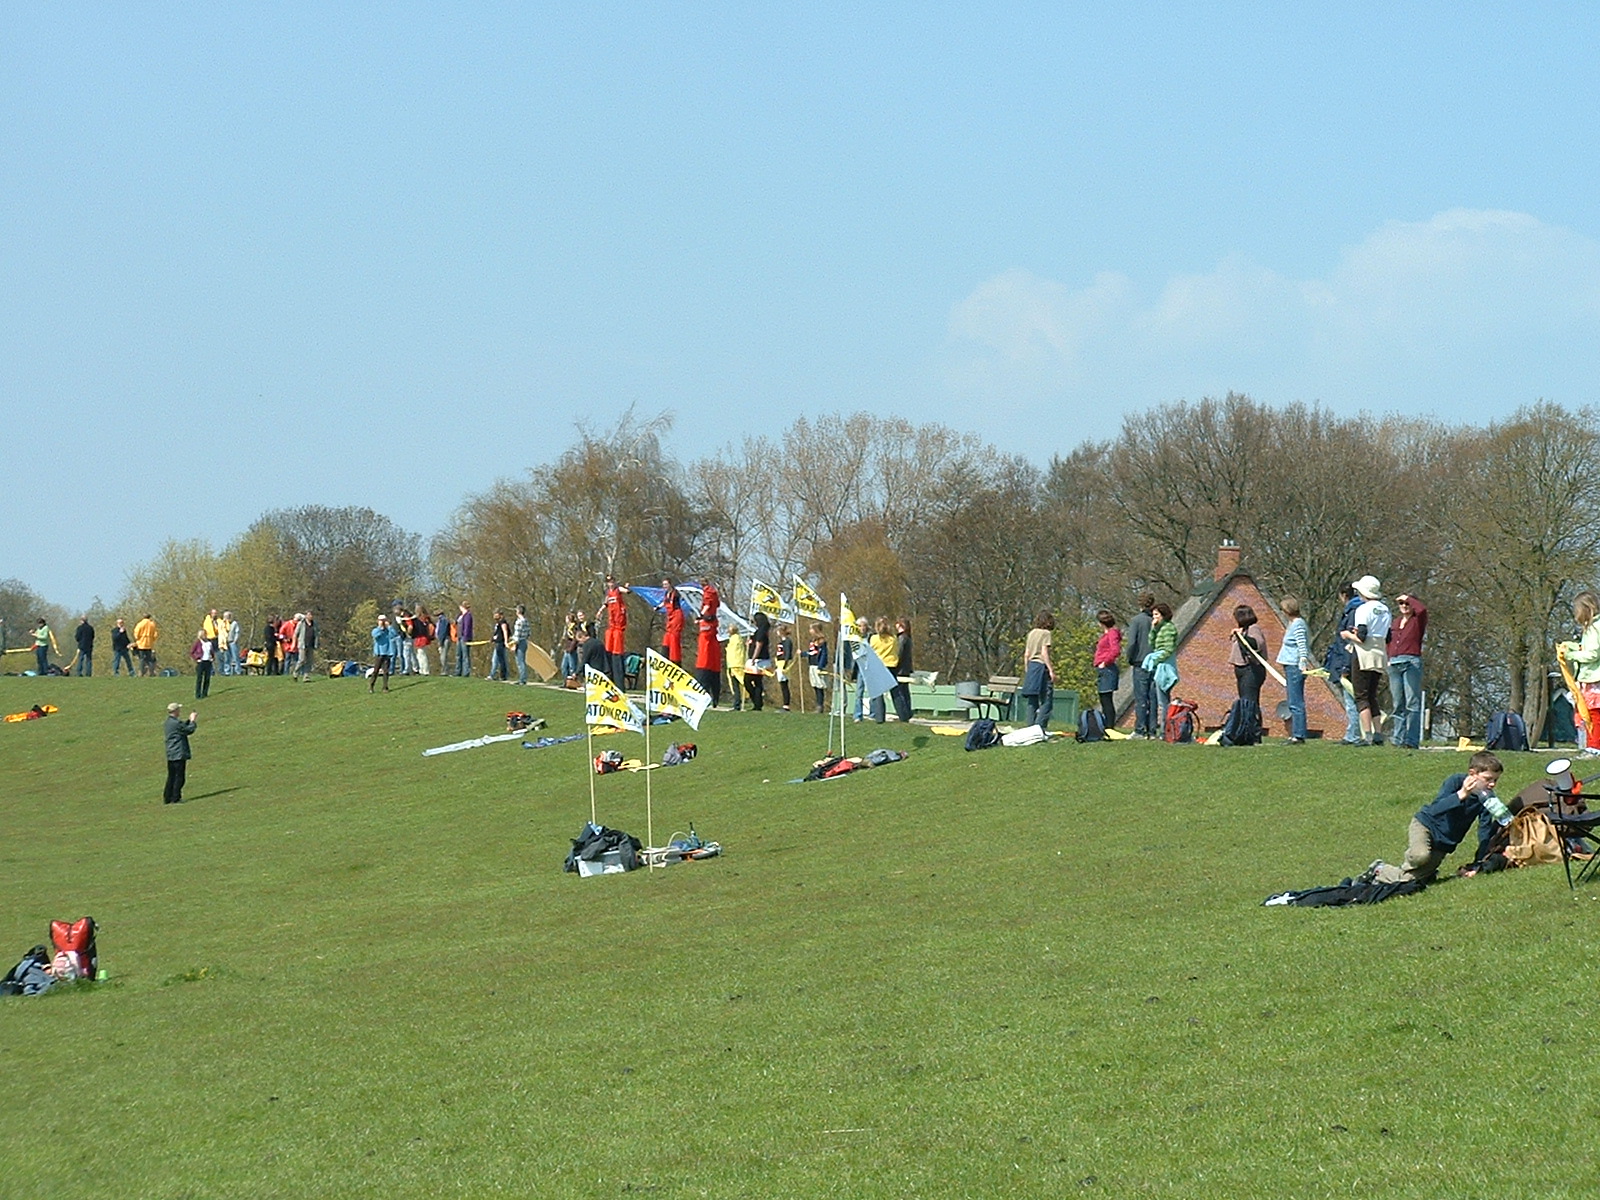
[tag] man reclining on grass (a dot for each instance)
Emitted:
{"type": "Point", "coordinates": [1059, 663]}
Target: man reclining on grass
{"type": "Point", "coordinates": [1440, 825]}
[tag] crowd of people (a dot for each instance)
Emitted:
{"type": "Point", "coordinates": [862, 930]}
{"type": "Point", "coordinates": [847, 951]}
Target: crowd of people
{"type": "Point", "coordinates": [1373, 648]}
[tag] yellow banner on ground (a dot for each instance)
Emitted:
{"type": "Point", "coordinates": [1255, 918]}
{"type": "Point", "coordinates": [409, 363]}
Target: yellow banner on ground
{"type": "Point", "coordinates": [605, 703]}
{"type": "Point", "coordinates": [671, 689]}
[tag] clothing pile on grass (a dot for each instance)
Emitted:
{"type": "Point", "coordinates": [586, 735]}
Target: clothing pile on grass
{"type": "Point", "coordinates": [836, 765]}
{"type": "Point", "coordinates": [600, 850]}
{"type": "Point", "coordinates": [985, 733]}
{"type": "Point", "coordinates": [608, 762]}
{"type": "Point", "coordinates": [34, 713]}
{"type": "Point", "coordinates": [73, 959]}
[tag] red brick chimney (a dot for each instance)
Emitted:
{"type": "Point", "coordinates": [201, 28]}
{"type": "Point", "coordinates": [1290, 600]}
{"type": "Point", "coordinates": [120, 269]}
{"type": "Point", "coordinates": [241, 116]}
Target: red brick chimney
{"type": "Point", "coordinates": [1227, 559]}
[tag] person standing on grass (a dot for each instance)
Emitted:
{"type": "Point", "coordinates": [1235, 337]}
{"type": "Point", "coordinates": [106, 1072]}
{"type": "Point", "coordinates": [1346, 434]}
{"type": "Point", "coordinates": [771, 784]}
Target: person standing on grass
{"type": "Point", "coordinates": [204, 653]}
{"type": "Point", "coordinates": [903, 668]}
{"type": "Point", "coordinates": [145, 634]}
{"type": "Point", "coordinates": [442, 637]}
{"type": "Point", "coordinates": [44, 641]}
{"type": "Point", "coordinates": [1338, 659]}
{"type": "Point", "coordinates": [1294, 656]}
{"type": "Point", "coordinates": [84, 636]}
{"type": "Point", "coordinates": [520, 630]}
{"type": "Point", "coordinates": [1163, 650]}
{"type": "Point", "coordinates": [384, 638]}
{"type": "Point", "coordinates": [464, 641]}
{"type": "Point", "coordinates": [1038, 672]}
{"type": "Point", "coordinates": [1146, 721]}
{"type": "Point", "coordinates": [1405, 669]}
{"type": "Point", "coordinates": [177, 733]}
{"type": "Point", "coordinates": [887, 648]}
{"type": "Point", "coordinates": [421, 637]}
{"type": "Point", "coordinates": [499, 637]}
{"type": "Point", "coordinates": [1107, 674]}
{"type": "Point", "coordinates": [817, 663]}
{"type": "Point", "coordinates": [734, 657]}
{"type": "Point", "coordinates": [121, 643]}
{"type": "Point", "coordinates": [1583, 657]}
{"type": "Point", "coordinates": [1369, 648]}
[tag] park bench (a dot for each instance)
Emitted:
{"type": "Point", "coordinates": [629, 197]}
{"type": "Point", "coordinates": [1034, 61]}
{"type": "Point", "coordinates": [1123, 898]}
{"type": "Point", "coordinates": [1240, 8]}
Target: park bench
{"type": "Point", "coordinates": [994, 700]}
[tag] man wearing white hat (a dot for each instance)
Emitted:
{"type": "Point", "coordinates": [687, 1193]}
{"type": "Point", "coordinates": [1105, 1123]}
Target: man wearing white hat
{"type": "Point", "coordinates": [1369, 642]}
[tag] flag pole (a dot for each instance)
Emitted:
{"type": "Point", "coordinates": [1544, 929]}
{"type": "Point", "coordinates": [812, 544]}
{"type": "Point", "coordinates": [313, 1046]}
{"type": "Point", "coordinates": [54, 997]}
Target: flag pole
{"type": "Point", "coordinates": [649, 809]}
{"type": "Point", "coordinates": [590, 730]}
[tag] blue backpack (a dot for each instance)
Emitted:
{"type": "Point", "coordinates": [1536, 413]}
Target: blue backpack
{"type": "Point", "coordinates": [1091, 726]}
{"type": "Point", "coordinates": [1243, 726]}
{"type": "Point", "coordinates": [1507, 731]}
{"type": "Point", "coordinates": [982, 735]}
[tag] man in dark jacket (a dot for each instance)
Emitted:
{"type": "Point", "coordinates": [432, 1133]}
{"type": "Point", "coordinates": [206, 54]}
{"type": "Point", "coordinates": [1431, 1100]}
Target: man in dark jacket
{"type": "Point", "coordinates": [85, 639]}
{"type": "Point", "coordinates": [177, 733]}
{"type": "Point", "coordinates": [1337, 661]}
{"type": "Point", "coordinates": [1146, 721]}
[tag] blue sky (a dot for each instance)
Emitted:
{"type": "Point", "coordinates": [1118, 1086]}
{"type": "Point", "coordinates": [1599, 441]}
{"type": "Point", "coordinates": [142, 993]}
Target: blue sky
{"type": "Point", "coordinates": [258, 257]}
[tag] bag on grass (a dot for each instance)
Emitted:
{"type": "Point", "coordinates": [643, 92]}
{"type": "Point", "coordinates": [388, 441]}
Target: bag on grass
{"type": "Point", "coordinates": [1532, 839]}
{"type": "Point", "coordinates": [982, 735]}
{"type": "Point", "coordinates": [608, 761]}
{"type": "Point", "coordinates": [1507, 731]}
{"type": "Point", "coordinates": [1091, 726]}
{"type": "Point", "coordinates": [1180, 721]}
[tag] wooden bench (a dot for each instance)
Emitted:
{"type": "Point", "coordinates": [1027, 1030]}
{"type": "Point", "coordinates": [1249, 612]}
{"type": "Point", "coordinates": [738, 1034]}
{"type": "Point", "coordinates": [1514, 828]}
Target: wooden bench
{"type": "Point", "coordinates": [999, 695]}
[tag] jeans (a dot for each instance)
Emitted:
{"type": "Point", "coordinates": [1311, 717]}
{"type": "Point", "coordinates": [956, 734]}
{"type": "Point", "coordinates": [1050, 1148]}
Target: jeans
{"type": "Point", "coordinates": [230, 660]}
{"type": "Point", "coordinates": [522, 660]}
{"type": "Point", "coordinates": [42, 655]}
{"type": "Point", "coordinates": [1405, 693]}
{"type": "Point", "coordinates": [861, 697]}
{"type": "Point", "coordinates": [85, 662]}
{"type": "Point", "coordinates": [1295, 679]}
{"type": "Point", "coordinates": [118, 657]}
{"type": "Point", "coordinates": [569, 665]}
{"type": "Point", "coordinates": [1162, 699]}
{"type": "Point", "coordinates": [1148, 717]}
{"type": "Point", "coordinates": [499, 668]}
{"type": "Point", "coordinates": [1041, 706]}
{"type": "Point", "coordinates": [1352, 714]}
{"type": "Point", "coordinates": [463, 660]}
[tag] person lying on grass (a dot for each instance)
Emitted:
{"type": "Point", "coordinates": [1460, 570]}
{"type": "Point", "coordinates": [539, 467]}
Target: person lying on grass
{"type": "Point", "coordinates": [1440, 825]}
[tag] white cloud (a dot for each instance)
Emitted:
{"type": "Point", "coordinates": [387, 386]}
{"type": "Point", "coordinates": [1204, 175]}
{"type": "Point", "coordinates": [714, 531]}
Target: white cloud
{"type": "Point", "coordinates": [1471, 312]}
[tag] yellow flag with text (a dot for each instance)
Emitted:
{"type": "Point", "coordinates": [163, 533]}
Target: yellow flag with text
{"type": "Point", "coordinates": [765, 598]}
{"type": "Point", "coordinates": [671, 689]}
{"type": "Point", "coordinates": [606, 704]}
{"type": "Point", "coordinates": [807, 603]}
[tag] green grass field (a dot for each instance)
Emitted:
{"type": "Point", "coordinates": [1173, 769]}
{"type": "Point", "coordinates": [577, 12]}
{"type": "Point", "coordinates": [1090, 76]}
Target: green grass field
{"type": "Point", "coordinates": [343, 969]}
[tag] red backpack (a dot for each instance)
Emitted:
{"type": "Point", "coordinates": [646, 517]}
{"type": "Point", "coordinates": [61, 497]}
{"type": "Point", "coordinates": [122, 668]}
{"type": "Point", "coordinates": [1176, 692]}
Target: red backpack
{"type": "Point", "coordinates": [1180, 720]}
{"type": "Point", "coordinates": [77, 939]}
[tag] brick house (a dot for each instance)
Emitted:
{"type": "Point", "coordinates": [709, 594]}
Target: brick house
{"type": "Point", "coordinates": [1205, 623]}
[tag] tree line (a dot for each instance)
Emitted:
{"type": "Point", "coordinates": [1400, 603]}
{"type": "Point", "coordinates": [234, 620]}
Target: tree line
{"type": "Point", "coordinates": [1494, 527]}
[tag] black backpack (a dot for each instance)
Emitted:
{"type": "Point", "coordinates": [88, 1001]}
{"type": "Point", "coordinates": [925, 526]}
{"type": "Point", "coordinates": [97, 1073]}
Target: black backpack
{"type": "Point", "coordinates": [1507, 731]}
{"type": "Point", "coordinates": [1243, 726]}
{"type": "Point", "coordinates": [1091, 726]}
{"type": "Point", "coordinates": [982, 735]}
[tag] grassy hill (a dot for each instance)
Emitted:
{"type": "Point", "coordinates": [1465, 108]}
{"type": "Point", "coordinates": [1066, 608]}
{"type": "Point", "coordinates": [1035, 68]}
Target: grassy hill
{"type": "Point", "coordinates": [343, 969]}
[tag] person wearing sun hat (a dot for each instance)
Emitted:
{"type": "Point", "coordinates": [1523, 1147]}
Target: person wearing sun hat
{"type": "Point", "coordinates": [1369, 642]}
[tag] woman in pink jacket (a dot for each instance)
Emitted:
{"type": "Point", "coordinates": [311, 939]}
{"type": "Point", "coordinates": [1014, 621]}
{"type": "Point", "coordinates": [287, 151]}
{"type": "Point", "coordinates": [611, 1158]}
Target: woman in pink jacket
{"type": "Point", "coordinates": [1107, 651]}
